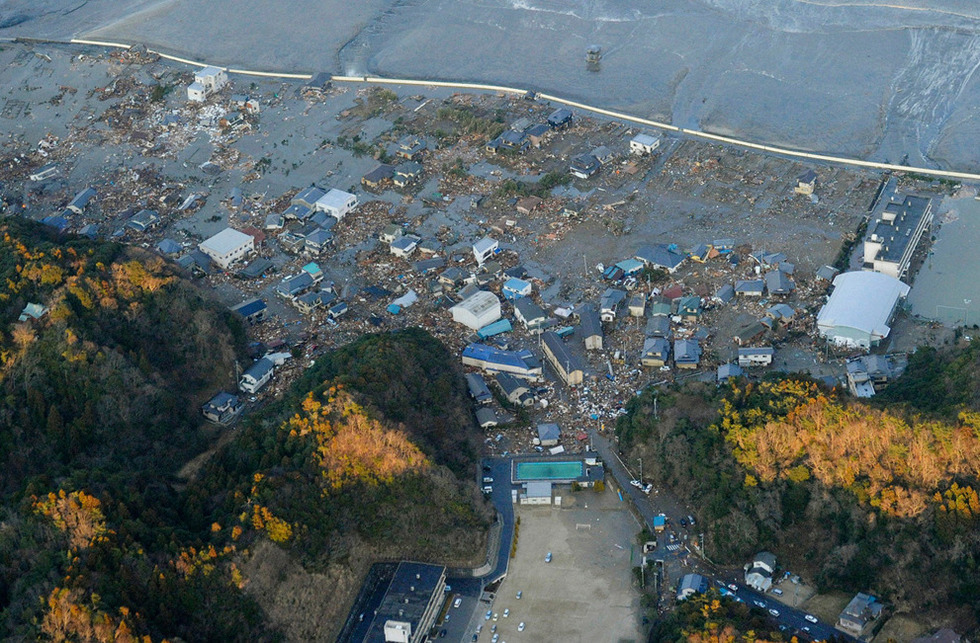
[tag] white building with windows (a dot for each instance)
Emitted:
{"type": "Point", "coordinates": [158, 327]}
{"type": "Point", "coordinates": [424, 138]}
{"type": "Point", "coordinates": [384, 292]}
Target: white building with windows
{"type": "Point", "coordinates": [257, 376]}
{"type": "Point", "coordinates": [206, 82]}
{"type": "Point", "coordinates": [484, 249]}
{"type": "Point", "coordinates": [227, 247]}
{"type": "Point", "coordinates": [644, 144]}
{"type": "Point", "coordinates": [336, 203]}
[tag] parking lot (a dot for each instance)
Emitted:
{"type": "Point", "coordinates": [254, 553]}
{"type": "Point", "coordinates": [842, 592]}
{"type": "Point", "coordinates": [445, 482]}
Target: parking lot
{"type": "Point", "coordinates": [586, 592]}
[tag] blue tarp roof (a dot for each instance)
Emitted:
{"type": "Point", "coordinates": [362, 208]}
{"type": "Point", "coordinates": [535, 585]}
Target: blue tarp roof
{"type": "Point", "coordinates": [496, 328]}
{"type": "Point", "coordinates": [630, 266]}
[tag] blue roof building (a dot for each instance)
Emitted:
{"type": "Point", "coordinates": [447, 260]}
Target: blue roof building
{"type": "Point", "coordinates": [515, 289]}
{"type": "Point", "coordinates": [520, 363]}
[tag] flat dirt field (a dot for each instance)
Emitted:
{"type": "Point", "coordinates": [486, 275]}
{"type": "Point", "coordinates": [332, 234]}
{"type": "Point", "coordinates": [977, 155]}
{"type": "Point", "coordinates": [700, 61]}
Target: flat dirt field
{"type": "Point", "coordinates": [586, 593]}
{"type": "Point", "coordinates": [827, 607]}
{"type": "Point", "coordinates": [899, 628]}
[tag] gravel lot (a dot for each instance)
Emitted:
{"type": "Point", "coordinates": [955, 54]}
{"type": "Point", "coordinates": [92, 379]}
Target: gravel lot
{"type": "Point", "coordinates": [586, 593]}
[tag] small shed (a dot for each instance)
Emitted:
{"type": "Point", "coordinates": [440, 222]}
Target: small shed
{"type": "Point", "coordinates": [537, 492]}
{"type": "Point", "coordinates": [486, 417]}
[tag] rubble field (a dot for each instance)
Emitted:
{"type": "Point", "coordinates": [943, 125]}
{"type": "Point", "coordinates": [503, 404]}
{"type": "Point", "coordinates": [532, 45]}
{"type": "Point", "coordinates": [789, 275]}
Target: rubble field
{"type": "Point", "coordinates": [122, 124]}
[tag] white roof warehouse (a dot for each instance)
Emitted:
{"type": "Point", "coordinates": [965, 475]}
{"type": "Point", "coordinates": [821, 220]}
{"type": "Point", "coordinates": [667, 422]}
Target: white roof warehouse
{"type": "Point", "coordinates": [860, 308]}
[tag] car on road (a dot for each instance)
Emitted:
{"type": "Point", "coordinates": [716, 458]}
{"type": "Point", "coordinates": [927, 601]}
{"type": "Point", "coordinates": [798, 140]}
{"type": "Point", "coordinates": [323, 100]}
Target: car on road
{"type": "Point", "coordinates": [810, 617]}
{"type": "Point", "coordinates": [442, 633]}
{"type": "Point", "coordinates": [487, 489]}
{"type": "Point", "coordinates": [637, 484]}
{"type": "Point", "coordinates": [487, 480]}
{"type": "Point", "coordinates": [733, 587]}
{"type": "Point", "coordinates": [806, 628]}
{"type": "Point", "coordinates": [520, 628]}
{"type": "Point", "coordinates": [547, 558]}
{"type": "Point", "coordinates": [647, 488]}
{"type": "Point", "coordinates": [519, 594]}
{"type": "Point", "coordinates": [759, 604]}
{"type": "Point", "coordinates": [774, 612]}
{"type": "Point", "coordinates": [457, 602]}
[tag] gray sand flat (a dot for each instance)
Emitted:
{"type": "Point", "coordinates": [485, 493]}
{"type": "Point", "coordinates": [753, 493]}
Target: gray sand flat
{"type": "Point", "coordinates": [870, 79]}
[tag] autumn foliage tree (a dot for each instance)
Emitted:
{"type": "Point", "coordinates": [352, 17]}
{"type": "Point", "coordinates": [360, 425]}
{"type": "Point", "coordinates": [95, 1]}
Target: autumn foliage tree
{"type": "Point", "coordinates": [858, 496]}
{"type": "Point", "coordinates": [77, 513]}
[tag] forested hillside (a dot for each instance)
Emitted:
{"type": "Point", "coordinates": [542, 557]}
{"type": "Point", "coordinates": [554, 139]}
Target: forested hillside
{"type": "Point", "coordinates": [99, 409]}
{"type": "Point", "coordinates": [371, 455]}
{"type": "Point", "coordinates": [858, 497]}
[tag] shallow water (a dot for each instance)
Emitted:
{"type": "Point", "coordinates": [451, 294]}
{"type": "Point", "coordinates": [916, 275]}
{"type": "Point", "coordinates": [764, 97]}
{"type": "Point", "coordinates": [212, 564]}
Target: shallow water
{"type": "Point", "coordinates": [947, 287]}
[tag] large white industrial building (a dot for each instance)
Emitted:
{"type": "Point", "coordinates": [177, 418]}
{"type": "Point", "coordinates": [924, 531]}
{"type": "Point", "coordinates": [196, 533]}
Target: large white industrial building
{"type": "Point", "coordinates": [860, 308]}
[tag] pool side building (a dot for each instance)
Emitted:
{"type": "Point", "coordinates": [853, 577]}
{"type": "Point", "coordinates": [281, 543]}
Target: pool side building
{"type": "Point", "coordinates": [585, 469]}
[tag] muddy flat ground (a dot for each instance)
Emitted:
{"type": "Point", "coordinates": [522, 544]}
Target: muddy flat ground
{"type": "Point", "coordinates": [876, 80]}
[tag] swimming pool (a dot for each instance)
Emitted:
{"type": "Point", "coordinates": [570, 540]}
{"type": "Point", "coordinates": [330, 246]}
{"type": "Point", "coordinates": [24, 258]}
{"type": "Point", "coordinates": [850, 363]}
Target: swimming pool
{"type": "Point", "coordinates": [549, 470]}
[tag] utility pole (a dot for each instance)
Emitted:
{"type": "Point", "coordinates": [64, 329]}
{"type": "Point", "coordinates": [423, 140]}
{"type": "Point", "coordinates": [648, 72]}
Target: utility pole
{"type": "Point", "coordinates": [641, 469]}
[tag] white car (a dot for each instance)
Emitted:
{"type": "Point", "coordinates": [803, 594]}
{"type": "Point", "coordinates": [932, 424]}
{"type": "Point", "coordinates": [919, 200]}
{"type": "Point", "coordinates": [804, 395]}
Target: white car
{"type": "Point", "coordinates": [457, 602]}
{"type": "Point", "coordinates": [647, 488]}
{"type": "Point", "coordinates": [811, 618]}
{"type": "Point", "coordinates": [547, 558]}
{"type": "Point", "coordinates": [637, 484]}
{"type": "Point", "coordinates": [773, 612]}
{"type": "Point", "coordinates": [519, 594]}
{"type": "Point", "coordinates": [496, 637]}
{"type": "Point", "coordinates": [759, 604]}
{"type": "Point", "coordinates": [733, 587]}
{"type": "Point", "coordinates": [506, 612]}
{"type": "Point", "coordinates": [520, 628]}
